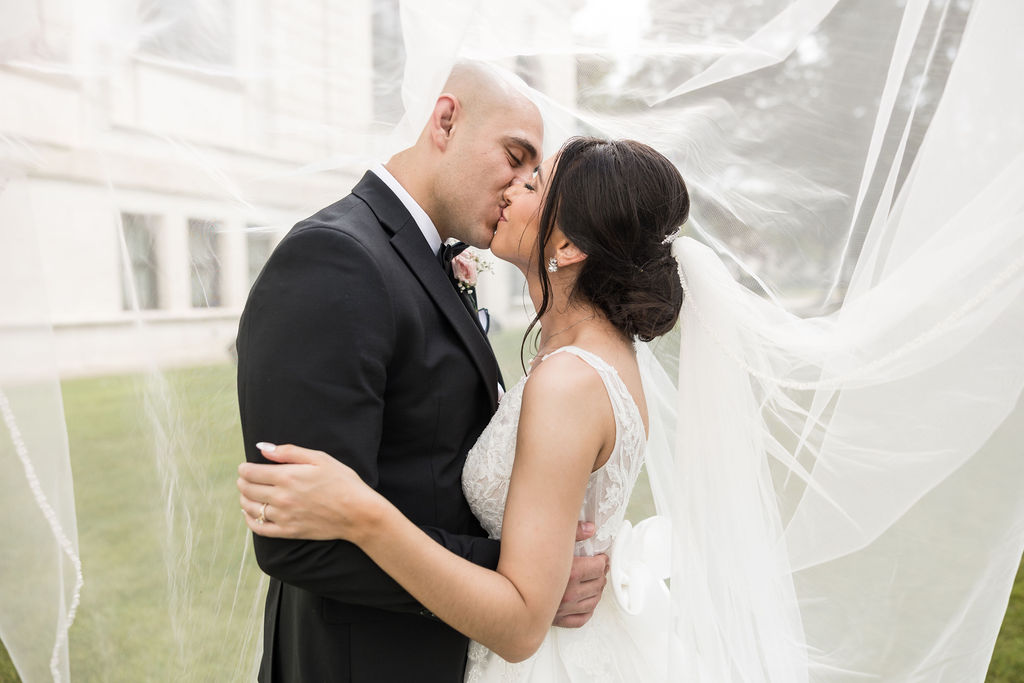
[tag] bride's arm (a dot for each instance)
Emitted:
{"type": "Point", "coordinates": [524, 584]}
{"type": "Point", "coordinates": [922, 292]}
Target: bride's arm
{"type": "Point", "coordinates": [566, 422]}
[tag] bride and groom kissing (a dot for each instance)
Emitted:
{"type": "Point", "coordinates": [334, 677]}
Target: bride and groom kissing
{"type": "Point", "coordinates": [437, 506]}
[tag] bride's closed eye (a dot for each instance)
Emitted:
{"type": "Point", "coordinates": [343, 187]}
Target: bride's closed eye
{"type": "Point", "coordinates": [530, 186]}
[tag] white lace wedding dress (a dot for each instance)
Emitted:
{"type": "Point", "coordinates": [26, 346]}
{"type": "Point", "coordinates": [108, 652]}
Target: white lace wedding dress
{"type": "Point", "coordinates": [612, 645]}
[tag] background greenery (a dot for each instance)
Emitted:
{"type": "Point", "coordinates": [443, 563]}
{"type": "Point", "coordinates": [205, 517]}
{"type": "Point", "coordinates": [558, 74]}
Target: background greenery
{"type": "Point", "coordinates": [122, 630]}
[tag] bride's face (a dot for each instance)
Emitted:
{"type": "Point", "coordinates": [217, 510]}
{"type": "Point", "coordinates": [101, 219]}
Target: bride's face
{"type": "Point", "coordinates": [516, 237]}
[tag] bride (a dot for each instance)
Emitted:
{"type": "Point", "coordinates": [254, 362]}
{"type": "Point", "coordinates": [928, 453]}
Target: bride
{"type": "Point", "coordinates": [592, 234]}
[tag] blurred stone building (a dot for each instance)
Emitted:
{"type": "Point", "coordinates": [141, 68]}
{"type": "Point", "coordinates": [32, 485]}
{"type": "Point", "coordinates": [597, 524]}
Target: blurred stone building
{"type": "Point", "coordinates": [159, 150]}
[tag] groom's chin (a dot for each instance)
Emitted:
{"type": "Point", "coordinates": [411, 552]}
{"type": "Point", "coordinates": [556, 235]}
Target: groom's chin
{"type": "Point", "coordinates": [483, 238]}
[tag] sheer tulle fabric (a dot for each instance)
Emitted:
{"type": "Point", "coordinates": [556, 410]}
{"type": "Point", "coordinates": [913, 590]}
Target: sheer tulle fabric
{"type": "Point", "coordinates": [843, 489]}
{"type": "Point", "coordinates": [845, 498]}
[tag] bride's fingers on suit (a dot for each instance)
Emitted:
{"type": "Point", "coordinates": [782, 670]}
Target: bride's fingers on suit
{"type": "Point", "coordinates": [267, 528]}
{"type": "Point", "coordinates": [290, 453]}
{"type": "Point", "coordinates": [260, 474]}
{"type": "Point", "coordinates": [254, 491]}
{"type": "Point", "coordinates": [276, 520]}
{"type": "Point", "coordinates": [254, 508]}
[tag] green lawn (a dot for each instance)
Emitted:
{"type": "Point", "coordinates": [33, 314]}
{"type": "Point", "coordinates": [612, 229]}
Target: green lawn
{"type": "Point", "coordinates": [136, 443]}
{"type": "Point", "coordinates": [191, 618]}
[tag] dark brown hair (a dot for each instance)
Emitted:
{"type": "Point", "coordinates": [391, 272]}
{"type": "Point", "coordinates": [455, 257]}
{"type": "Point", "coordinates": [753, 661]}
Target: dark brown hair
{"type": "Point", "coordinates": [618, 201]}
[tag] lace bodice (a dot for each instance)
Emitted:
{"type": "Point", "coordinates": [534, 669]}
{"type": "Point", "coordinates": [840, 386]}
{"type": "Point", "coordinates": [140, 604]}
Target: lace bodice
{"type": "Point", "coordinates": [488, 467]}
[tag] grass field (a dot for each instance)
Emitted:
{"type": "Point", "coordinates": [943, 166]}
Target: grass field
{"type": "Point", "coordinates": [196, 614]}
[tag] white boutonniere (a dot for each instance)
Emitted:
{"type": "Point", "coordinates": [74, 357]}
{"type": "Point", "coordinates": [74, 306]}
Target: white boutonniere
{"type": "Point", "coordinates": [466, 267]}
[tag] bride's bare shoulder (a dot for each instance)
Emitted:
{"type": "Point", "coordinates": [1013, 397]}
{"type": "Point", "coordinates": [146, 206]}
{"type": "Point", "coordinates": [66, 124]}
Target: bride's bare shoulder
{"type": "Point", "coordinates": [567, 383]}
{"type": "Point", "coordinates": [566, 409]}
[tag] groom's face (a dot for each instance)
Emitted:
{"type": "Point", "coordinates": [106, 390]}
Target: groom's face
{"type": "Point", "coordinates": [489, 155]}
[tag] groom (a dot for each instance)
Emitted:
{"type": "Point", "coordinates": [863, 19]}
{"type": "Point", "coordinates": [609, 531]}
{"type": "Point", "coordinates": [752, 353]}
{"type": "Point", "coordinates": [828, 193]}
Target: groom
{"type": "Point", "coordinates": [355, 342]}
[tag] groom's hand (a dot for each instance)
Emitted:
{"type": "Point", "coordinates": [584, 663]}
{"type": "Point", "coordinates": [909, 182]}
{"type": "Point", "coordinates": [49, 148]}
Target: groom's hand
{"type": "Point", "coordinates": [586, 582]}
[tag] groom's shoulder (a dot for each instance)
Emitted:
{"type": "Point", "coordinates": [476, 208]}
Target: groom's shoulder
{"type": "Point", "coordinates": [347, 214]}
{"type": "Point", "coordinates": [347, 219]}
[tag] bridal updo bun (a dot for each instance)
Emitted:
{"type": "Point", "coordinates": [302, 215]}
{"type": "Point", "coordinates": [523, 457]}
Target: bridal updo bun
{"type": "Point", "coordinates": [618, 201]}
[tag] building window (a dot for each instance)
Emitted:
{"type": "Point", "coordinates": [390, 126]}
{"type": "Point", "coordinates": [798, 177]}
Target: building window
{"type": "Point", "coordinates": [203, 248]}
{"type": "Point", "coordinates": [191, 31]}
{"type": "Point", "coordinates": [260, 242]}
{"type": "Point", "coordinates": [139, 278]}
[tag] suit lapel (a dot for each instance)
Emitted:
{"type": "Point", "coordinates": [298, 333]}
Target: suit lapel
{"type": "Point", "coordinates": [412, 247]}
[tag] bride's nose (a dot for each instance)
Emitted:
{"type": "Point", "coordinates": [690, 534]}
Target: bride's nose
{"type": "Point", "coordinates": [511, 189]}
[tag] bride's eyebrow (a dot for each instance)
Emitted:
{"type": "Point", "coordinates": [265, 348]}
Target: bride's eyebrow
{"type": "Point", "coordinates": [540, 176]}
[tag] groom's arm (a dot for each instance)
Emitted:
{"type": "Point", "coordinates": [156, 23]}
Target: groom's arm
{"type": "Point", "coordinates": [313, 349]}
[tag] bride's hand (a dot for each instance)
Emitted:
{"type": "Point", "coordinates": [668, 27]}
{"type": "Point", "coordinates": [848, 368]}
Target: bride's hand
{"type": "Point", "coordinates": [308, 495]}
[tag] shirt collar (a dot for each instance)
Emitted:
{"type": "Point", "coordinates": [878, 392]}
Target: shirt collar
{"type": "Point", "coordinates": [423, 221]}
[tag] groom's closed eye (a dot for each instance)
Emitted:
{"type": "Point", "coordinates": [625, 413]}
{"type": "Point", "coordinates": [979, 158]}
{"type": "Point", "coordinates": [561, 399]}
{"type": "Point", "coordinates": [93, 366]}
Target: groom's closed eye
{"type": "Point", "coordinates": [519, 150]}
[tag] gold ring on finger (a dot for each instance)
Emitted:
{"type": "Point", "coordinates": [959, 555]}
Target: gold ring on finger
{"type": "Point", "coordinates": [263, 514]}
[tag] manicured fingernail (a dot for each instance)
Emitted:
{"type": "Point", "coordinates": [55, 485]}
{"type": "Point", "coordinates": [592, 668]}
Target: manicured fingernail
{"type": "Point", "coordinates": [267, 447]}
{"type": "Point", "coordinates": [588, 527]}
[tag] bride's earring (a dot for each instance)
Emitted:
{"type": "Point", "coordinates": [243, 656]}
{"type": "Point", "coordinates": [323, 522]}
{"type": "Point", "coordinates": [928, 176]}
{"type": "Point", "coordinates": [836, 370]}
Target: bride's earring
{"type": "Point", "coordinates": [552, 264]}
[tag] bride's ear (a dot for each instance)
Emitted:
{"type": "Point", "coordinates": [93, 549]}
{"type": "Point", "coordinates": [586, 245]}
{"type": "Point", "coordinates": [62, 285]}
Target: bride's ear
{"type": "Point", "coordinates": [566, 253]}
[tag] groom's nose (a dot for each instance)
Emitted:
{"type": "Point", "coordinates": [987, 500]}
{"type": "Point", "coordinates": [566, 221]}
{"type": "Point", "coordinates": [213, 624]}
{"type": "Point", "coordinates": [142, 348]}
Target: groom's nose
{"type": "Point", "coordinates": [522, 173]}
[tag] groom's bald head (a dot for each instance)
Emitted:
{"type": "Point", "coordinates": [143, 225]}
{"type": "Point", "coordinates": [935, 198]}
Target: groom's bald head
{"type": "Point", "coordinates": [482, 135]}
{"type": "Point", "coordinates": [481, 89]}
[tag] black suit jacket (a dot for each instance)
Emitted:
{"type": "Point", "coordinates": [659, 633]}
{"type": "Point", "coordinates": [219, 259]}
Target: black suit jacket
{"type": "Point", "coordinates": [354, 342]}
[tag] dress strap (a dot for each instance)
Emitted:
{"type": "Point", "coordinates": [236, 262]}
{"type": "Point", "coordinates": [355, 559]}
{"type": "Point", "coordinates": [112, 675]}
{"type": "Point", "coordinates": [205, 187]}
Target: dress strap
{"type": "Point", "coordinates": [588, 357]}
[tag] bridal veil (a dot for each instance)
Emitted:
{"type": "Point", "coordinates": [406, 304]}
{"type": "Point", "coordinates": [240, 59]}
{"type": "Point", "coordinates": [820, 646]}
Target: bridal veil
{"type": "Point", "coordinates": [845, 489]}
{"type": "Point", "coordinates": [844, 476]}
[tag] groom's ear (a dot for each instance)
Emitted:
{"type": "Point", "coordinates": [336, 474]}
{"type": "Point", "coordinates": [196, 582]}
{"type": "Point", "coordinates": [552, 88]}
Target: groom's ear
{"type": "Point", "coordinates": [442, 119]}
